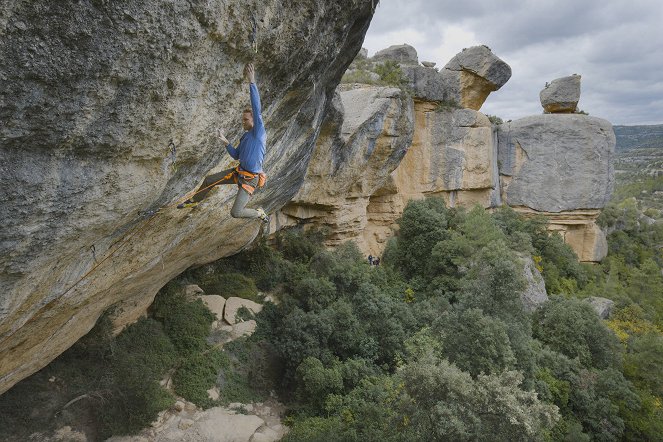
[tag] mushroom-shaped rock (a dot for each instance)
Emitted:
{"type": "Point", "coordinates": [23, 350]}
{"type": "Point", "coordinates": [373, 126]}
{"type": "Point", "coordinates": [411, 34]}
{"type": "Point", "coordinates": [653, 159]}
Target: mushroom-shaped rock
{"type": "Point", "coordinates": [467, 79]}
{"type": "Point", "coordinates": [404, 54]}
{"type": "Point", "coordinates": [561, 95]}
{"type": "Point", "coordinates": [478, 72]}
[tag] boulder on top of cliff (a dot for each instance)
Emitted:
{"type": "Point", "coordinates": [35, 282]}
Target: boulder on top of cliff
{"type": "Point", "coordinates": [561, 95]}
{"type": "Point", "coordinates": [478, 72]}
{"type": "Point", "coordinates": [467, 79]}
{"type": "Point", "coordinates": [557, 162]}
{"type": "Point", "coordinates": [109, 113]}
{"type": "Point", "coordinates": [428, 64]}
{"type": "Point", "coordinates": [403, 54]}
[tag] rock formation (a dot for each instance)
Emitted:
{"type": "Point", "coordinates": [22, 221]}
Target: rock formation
{"type": "Point", "coordinates": [561, 95]}
{"type": "Point", "coordinates": [559, 165]}
{"type": "Point", "coordinates": [466, 80]}
{"type": "Point", "coordinates": [404, 54]}
{"type": "Point", "coordinates": [108, 113]}
{"type": "Point", "coordinates": [363, 139]}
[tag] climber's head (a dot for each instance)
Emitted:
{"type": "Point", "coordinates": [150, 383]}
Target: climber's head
{"type": "Point", "coordinates": [247, 119]}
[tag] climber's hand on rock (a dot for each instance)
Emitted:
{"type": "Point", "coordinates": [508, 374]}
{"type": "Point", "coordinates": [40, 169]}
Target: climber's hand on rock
{"type": "Point", "coordinates": [224, 140]}
{"type": "Point", "coordinates": [250, 73]}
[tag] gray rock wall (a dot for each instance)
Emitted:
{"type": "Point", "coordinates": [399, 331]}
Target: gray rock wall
{"type": "Point", "coordinates": [557, 162]}
{"type": "Point", "coordinates": [91, 95]}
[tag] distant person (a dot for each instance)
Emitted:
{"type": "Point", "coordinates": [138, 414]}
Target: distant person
{"type": "Point", "coordinates": [370, 260]}
{"type": "Point", "coordinates": [250, 152]}
{"type": "Point", "coordinates": [376, 261]}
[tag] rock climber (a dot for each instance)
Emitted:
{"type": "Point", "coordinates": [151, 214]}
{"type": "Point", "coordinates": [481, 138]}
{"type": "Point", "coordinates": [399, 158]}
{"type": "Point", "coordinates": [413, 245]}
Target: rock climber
{"type": "Point", "coordinates": [250, 152]}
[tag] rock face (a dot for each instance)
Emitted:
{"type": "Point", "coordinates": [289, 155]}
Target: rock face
{"type": "Point", "coordinates": [561, 95]}
{"type": "Point", "coordinates": [108, 113]}
{"type": "Point", "coordinates": [364, 138]}
{"type": "Point", "coordinates": [545, 155]}
{"type": "Point", "coordinates": [560, 166]}
{"type": "Point", "coordinates": [404, 54]}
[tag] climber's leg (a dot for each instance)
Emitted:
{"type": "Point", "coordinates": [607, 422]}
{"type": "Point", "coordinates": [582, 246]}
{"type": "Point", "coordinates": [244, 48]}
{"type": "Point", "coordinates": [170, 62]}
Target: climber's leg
{"type": "Point", "coordinates": [210, 181]}
{"type": "Point", "coordinates": [239, 209]}
{"type": "Point", "coordinates": [223, 177]}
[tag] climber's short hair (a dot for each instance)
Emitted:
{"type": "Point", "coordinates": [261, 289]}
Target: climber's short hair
{"type": "Point", "coordinates": [248, 110]}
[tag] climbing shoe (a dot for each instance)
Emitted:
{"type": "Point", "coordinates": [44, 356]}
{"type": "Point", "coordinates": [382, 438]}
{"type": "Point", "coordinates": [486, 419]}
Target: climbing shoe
{"type": "Point", "coordinates": [188, 204]}
{"type": "Point", "coordinates": [263, 216]}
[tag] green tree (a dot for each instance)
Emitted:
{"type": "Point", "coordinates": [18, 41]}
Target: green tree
{"type": "Point", "coordinates": [476, 343]}
{"type": "Point", "coordinates": [571, 327]}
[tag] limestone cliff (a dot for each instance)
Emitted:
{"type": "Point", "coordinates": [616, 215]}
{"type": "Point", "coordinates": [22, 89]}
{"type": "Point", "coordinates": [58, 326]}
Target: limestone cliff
{"type": "Point", "coordinates": [558, 165]}
{"type": "Point", "coordinates": [107, 113]}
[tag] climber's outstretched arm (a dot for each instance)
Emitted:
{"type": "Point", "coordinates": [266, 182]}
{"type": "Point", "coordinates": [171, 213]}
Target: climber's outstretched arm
{"type": "Point", "coordinates": [250, 75]}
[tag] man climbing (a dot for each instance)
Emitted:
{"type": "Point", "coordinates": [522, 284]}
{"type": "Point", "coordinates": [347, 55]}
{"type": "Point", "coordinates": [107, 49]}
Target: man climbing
{"type": "Point", "coordinates": [250, 152]}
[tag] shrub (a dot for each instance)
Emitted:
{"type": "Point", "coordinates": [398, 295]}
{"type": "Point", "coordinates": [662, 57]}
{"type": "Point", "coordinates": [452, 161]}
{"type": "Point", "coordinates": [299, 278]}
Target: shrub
{"type": "Point", "coordinates": [572, 327]}
{"type": "Point", "coordinates": [187, 324]}
{"type": "Point", "coordinates": [197, 374]}
{"type": "Point", "coordinates": [391, 74]}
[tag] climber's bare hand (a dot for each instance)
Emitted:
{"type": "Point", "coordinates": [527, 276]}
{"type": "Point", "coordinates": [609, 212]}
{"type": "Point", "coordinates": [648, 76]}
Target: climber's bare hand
{"type": "Point", "coordinates": [250, 73]}
{"type": "Point", "coordinates": [224, 140]}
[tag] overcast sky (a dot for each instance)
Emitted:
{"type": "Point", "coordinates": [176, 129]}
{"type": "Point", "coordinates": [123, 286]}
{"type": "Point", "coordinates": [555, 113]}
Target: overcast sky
{"type": "Point", "coordinates": [616, 45]}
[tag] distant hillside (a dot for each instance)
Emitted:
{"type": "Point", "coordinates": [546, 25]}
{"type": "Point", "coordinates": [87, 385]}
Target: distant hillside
{"type": "Point", "coordinates": [630, 137]}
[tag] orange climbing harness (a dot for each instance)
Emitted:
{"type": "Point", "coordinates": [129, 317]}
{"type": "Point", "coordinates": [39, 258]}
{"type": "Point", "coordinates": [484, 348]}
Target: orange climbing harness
{"type": "Point", "coordinates": [246, 178]}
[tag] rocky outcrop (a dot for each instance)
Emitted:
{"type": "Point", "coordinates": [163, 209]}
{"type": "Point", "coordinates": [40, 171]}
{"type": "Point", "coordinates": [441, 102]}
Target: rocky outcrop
{"type": "Point", "coordinates": [535, 293]}
{"type": "Point", "coordinates": [560, 166]}
{"type": "Point", "coordinates": [561, 95]}
{"type": "Point", "coordinates": [557, 162]}
{"type": "Point", "coordinates": [556, 165]}
{"type": "Point", "coordinates": [232, 306]}
{"type": "Point", "coordinates": [424, 148]}
{"type": "Point", "coordinates": [237, 422]}
{"type": "Point", "coordinates": [108, 113]}
{"type": "Point", "coordinates": [404, 54]}
{"type": "Point", "coordinates": [466, 80]}
{"type": "Point", "coordinates": [602, 306]}
{"type": "Point", "coordinates": [364, 138]}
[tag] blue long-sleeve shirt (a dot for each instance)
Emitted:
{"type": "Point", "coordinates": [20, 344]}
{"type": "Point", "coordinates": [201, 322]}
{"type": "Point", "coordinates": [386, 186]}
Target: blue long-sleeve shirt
{"type": "Point", "coordinates": [251, 149]}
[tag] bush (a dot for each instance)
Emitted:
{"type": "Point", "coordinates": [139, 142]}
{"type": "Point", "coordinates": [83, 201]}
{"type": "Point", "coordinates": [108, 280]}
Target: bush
{"type": "Point", "coordinates": [197, 374]}
{"type": "Point", "coordinates": [391, 74]}
{"type": "Point", "coordinates": [187, 324]}
{"type": "Point", "coordinates": [572, 327]}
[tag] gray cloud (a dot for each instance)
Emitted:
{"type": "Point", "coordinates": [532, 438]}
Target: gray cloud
{"type": "Point", "coordinates": [614, 45]}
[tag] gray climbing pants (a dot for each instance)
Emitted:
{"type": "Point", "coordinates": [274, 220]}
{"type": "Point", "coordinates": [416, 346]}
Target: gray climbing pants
{"type": "Point", "coordinates": [229, 176]}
